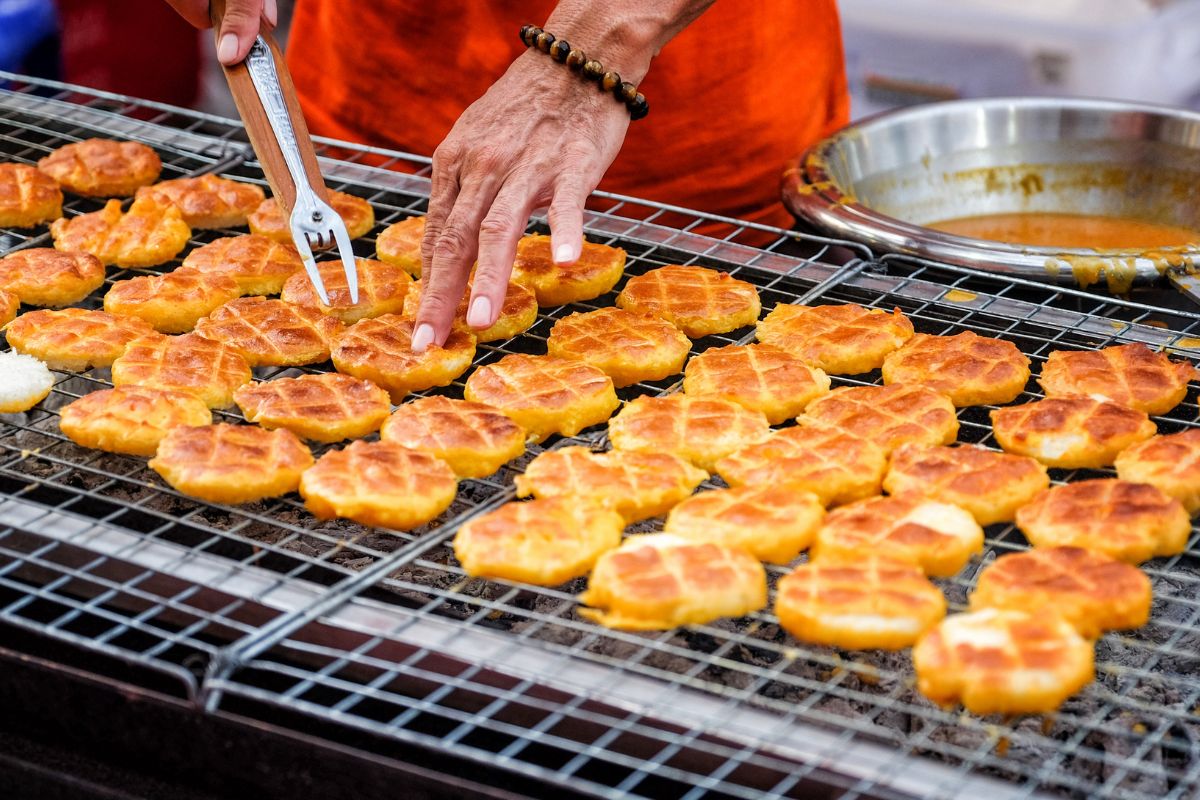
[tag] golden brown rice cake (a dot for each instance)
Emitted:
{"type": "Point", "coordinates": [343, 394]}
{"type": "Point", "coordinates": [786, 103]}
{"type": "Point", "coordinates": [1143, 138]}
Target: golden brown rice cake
{"type": "Point", "coordinates": [696, 300]}
{"type": "Point", "coordinates": [28, 197]}
{"type": "Point", "coordinates": [271, 333]}
{"type": "Point", "coordinates": [171, 303]}
{"type": "Point", "coordinates": [381, 290]}
{"type": "Point", "coordinates": [149, 233]}
{"type": "Point", "coordinates": [102, 167]}
{"type": "Point", "coordinates": [517, 315]}
{"type": "Point", "coordinates": [231, 463]}
{"type": "Point", "coordinates": [259, 264]}
{"type": "Point", "coordinates": [74, 339]}
{"type": "Point", "coordinates": [9, 305]}
{"type": "Point", "coordinates": [840, 339]}
{"type": "Point", "coordinates": [702, 430]}
{"type": "Point", "coordinates": [597, 271]}
{"type": "Point", "coordinates": [889, 416]}
{"type": "Point", "coordinates": [208, 201]}
{"type": "Point", "coordinates": [43, 276]}
{"type": "Point", "coordinates": [1131, 375]}
{"type": "Point", "coordinates": [130, 419]}
{"type": "Point", "coordinates": [380, 350]}
{"type": "Point", "coordinates": [400, 244]}
{"type": "Point", "coordinates": [1131, 522]}
{"type": "Point", "coordinates": [543, 542]}
{"type": "Point", "coordinates": [1170, 463]}
{"type": "Point", "coordinates": [970, 369]}
{"type": "Point", "coordinates": [1070, 432]}
{"type": "Point", "coordinates": [268, 220]}
{"type": "Point", "coordinates": [628, 347]}
{"type": "Point", "coordinates": [188, 363]}
{"type": "Point", "coordinates": [1002, 662]}
{"type": "Point", "coordinates": [760, 377]}
{"type": "Point", "coordinates": [659, 581]}
{"type": "Point", "coordinates": [474, 439]}
{"type": "Point", "coordinates": [770, 522]}
{"type": "Point", "coordinates": [327, 407]}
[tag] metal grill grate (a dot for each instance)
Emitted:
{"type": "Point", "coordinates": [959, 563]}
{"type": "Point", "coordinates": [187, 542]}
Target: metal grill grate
{"type": "Point", "coordinates": [260, 610]}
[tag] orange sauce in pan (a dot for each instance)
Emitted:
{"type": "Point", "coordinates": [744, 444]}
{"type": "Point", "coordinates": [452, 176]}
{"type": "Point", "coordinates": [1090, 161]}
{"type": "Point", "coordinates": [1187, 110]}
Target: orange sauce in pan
{"type": "Point", "coordinates": [1072, 231]}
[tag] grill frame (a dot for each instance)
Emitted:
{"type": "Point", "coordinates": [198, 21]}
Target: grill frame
{"type": "Point", "coordinates": [228, 619]}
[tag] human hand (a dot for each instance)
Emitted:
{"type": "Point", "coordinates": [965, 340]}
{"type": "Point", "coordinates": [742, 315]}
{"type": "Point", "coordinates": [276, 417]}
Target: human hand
{"type": "Point", "coordinates": [539, 137]}
{"type": "Point", "coordinates": [239, 26]}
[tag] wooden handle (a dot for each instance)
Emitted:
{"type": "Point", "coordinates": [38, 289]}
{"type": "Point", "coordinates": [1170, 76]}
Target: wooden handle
{"type": "Point", "coordinates": [258, 127]}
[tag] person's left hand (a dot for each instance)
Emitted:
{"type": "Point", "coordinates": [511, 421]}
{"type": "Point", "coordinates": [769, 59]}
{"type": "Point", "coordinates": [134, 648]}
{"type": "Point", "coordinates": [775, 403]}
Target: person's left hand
{"type": "Point", "coordinates": [541, 136]}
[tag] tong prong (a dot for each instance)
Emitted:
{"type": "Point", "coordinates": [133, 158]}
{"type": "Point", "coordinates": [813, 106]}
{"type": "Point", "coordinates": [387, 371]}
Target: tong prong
{"type": "Point", "coordinates": [310, 265]}
{"type": "Point", "coordinates": [342, 237]}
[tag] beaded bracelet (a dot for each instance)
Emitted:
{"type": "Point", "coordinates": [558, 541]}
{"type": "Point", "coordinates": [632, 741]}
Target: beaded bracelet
{"type": "Point", "coordinates": [562, 52]}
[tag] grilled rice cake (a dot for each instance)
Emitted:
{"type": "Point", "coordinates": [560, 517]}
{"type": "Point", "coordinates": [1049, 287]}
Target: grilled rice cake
{"type": "Point", "coordinates": [1131, 375]}
{"type": "Point", "coordinates": [1170, 463]}
{"type": "Point", "coordinates": [225, 463]}
{"type": "Point", "coordinates": [326, 407]}
{"type": "Point", "coordinates": [26, 383]}
{"type": "Point", "coordinates": [400, 244]}
{"type": "Point", "coordinates": [760, 377]}
{"type": "Point", "coordinates": [1070, 432]}
{"type": "Point", "coordinates": [10, 304]}
{"type": "Point", "coordinates": [636, 485]}
{"type": "Point", "coordinates": [628, 347]}
{"type": "Point", "coordinates": [380, 484]}
{"type": "Point", "coordinates": [834, 465]}
{"type": "Point", "coordinates": [130, 419]}
{"type": "Point", "coordinates": [938, 537]}
{"type": "Point", "coordinates": [188, 363]}
{"type": "Point", "coordinates": [889, 416]}
{"type": "Point", "coordinates": [474, 439]}
{"type": "Point", "coordinates": [356, 213]}
{"type": "Point", "coordinates": [970, 369]}
{"type": "Point", "coordinates": [872, 602]}
{"type": "Point", "coordinates": [1131, 522]}
{"type": "Point", "coordinates": [102, 167]}
{"type": "Point", "coordinates": [380, 350]}
{"type": "Point", "coordinates": [271, 333]}
{"type": "Point", "coordinates": [28, 197]}
{"type": "Point", "coordinates": [259, 264]}
{"type": "Point", "coordinates": [596, 271]}
{"type": "Point", "coordinates": [659, 581]}
{"type": "Point", "coordinates": [1002, 662]}
{"type": "Point", "coordinates": [773, 523]}
{"type": "Point", "coordinates": [74, 339]}
{"type": "Point", "coordinates": [1090, 590]}
{"type": "Point", "coordinates": [543, 394]}
{"type": "Point", "coordinates": [840, 339]}
{"type": "Point", "coordinates": [43, 276]}
{"type": "Point", "coordinates": [208, 201]}
{"type": "Point", "coordinates": [171, 303]}
{"type": "Point", "coordinates": [150, 233]}
{"type": "Point", "coordinates": [543, 542]}
{"type": "Point", "coordinates": [517, 315]}
{"type": "Point", "coordinates": [990, 485]}
{"type": "Point", "coordinates": [702, 430]}
{"type": "Point", "coordinates": [381, 290]}
{"type": "Point", "coordinates": [698, 301]}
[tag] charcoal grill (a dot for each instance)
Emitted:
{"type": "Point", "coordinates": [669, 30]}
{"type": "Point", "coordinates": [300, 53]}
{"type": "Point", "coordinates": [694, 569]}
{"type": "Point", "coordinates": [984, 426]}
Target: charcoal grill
{"type": "Point", "coordinates": [371, 651]}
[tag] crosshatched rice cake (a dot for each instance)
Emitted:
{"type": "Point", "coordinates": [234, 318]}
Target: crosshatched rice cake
{"type": "Point", "coordinates": [130, 419]}
{"type": "Point", "coordinates": [889, 416]}
{"type": "Point", "coordinates": [325, 407]}
{"type": "Point", "coordinates": [102, 167]}
{"type": "Point", "coordinates": [517, 315]}
{"type": "Point", "coordinates": [1131, 522]}
{"type": "Point", "coordinates": [991, 485]}
{"type": "Point", "coordinates": [840, 339]}
{"type": "Point", "coordinates": [702, 430]}
{"type": "Point", "coordinates": [1131, 375]}
{"type": "Point", "coordinates": [773, 523]}
{"type": "Point", "coordinates": [171, 303]}
{"type": "Point", "coordinates": [380, 350]}
{"type": "Point", "coordinates": [970, 369]}
{"type": "Point", "coordinates": [474, 439]}
{"type": "Point", "coordinates": [268, 220]}
{"type": "Point", "coordinates": [225, 463]}
{"type": "Point", "coordinates": [259, 264]}
{"type": "Point", "coordinates": [380, 484]}
{"type": "Point", "coordinates": [832, 464]}
{"type": "Point", "coordinates": [74, 339]}
{"type": "Point", "coordinates": [659, 581]}
{"type": "Point", "coordinates": [149, 234]}
{"type": "Point", "coordinates": [543, 542]}
{"type": "Point", "coordinates": [400, 244]}
{"type": "Point", "coordinates": [43, 276]}
{"type": "Point", "coordinates": [596, 271]}
{"type": "Point", "coordinates": [271, 333]}
{"type": "Point", "coordinates": [636, 485]}
{"type": "Point", "coordinates": [1092, 591]}
{"type": "Point", "coordinates": [938, 537]}
{"type": "Point", "coordinates": [543, 394]}
{"type": "Point", "coordinates": [1003, 662]}
{"type": "Point", "coordinates": [1070, 432]}
{"type": "Point", "coordinates": [760, 377]}
{"type": "Point", "coordinates": [208, 201]}
{"type": "Point", "coordinates": [865, 603]}
{"type": "Point", "coordinates": [696, 300]}
{"type": "Point", "coordinates": [1169, 463]}
{"type": "Point", "coordinates": [188, 363]}
{"type": "Point", "coordinates": [28, 197]}
{"type": "Point", "coordinates": [628, 347]}
{"type": "Point", "coordinates": [382, 289]}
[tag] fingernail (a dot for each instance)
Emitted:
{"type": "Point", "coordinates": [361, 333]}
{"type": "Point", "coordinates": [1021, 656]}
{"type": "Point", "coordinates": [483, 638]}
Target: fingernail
{"type": "Point", "coordinates": [271, 12]}
{"type": "Point", "coordinates": [564, 254]}
{"type": "Point", "coordinates": [422, 337]}
{"type": "Point", "coordinates": [227, 49]}
{"type": "Point", "coordinates": [480, 314]}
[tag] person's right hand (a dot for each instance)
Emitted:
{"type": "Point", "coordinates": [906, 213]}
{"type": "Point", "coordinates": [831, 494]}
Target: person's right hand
{"type": "Point", "coordinates": [239, 26]}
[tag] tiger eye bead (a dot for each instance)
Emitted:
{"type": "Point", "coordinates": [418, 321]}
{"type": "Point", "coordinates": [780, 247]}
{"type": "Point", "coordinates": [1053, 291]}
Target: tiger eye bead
{"type": "Point", "coordinates": [544, 40]}
{"type": "Point", "coordinates": [610, 81]}
{"type": "Point", "coordinates": [593, 70]}
{"type": "Point", "coordinates": [559, 50]}
{"type": "Point", "coordinates": [626, 92]}
{"type": "Point", "coordinates": [575, 60]}
{"type": "Point", "coordinates": [529, 33]}
{"type": "Point", "coordinates": [638, 107]}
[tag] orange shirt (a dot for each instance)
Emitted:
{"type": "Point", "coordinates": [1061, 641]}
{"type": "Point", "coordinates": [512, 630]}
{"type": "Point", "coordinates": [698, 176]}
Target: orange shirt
{"type": "Point", "coordinates": [737, 93]}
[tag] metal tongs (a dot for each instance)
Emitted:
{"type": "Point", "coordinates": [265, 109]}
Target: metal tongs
{"type": "Point", "coordinates": [266, 99]}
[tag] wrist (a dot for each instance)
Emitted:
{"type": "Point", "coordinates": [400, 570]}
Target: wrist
{"type": "Point", "coordinates": [625, 44]}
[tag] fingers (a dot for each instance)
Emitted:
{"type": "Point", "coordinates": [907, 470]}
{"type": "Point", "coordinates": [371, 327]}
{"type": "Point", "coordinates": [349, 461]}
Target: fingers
{"type": "Point", "coordinates": [498, 234]}
{"type": "Point", "coordinates": [566, 217]}
{"type": "Point", "coordinates": [442, 192]}
{"type": "Point", "coordinates": [239, 26]}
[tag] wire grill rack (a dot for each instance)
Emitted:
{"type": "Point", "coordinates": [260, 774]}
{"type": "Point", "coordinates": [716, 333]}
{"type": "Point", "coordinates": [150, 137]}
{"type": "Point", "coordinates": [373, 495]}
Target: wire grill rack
{"type": "Point", "coordinates": [261, 611]}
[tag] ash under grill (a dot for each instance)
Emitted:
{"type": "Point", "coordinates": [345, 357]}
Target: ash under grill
{"type": "Point", "coordinates": [262, 612]}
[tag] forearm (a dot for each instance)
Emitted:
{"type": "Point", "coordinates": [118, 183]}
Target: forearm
{"type": "Point", "coordinates": [623, 34]}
